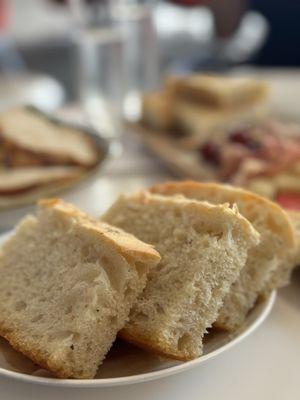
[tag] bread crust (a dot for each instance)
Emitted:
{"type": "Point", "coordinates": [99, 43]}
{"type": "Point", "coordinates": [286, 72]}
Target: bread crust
{"type": "Point", "coordinates": [149, 344]}
{"type": "Point", "coordinates": [128, 245]}
{"type": "Point", "coordinates": [37, 356]}
{"type": "Point", "coordinates": [295, 220]}
{"type": "Point", "coordinates": [279, 222]}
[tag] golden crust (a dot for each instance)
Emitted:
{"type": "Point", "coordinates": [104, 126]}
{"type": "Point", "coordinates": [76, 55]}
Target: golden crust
{"type": "Point", "coordinates": [294, 217]}
{"type": "Point", "coordinates": [153, 345]}
{"type": "Point", "coordinates": [36, 355]}
{"type": "Point", "coordinates": [247, 202]}
{"type": "Point", "coordinates": [145, 196]}
{"type": "Point", "coordinates": [295, 220]}
{"type": "Point", "coordinates": [128, 245]}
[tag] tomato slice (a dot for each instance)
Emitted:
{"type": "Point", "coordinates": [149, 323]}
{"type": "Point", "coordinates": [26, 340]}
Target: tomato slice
{"type": "Point", "coordinates": [290, 201]}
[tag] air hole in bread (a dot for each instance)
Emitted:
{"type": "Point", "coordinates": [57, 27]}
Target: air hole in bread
{"type": "Point", "coordinates": [128, 292]}
{"type": "Point", "coordinates": [184, 341]}
{"type": "Point", "coordinates": [43, 299]}
{"type": "Point", "coordinates": [198, 227]}
{"type": "Point", "coordinates": [68, 310]}
{"type": "Point", "coordinates": [159, 308]}
{"type": "Point", "coordinates": [141, 268]}
{"type": "Point", "coordinates": [20, 305]}
{"type": "Point", "coordinates": [113, 320]}
{"type": "Point", "coordinates": [88, 255]}
{"type": "Point", "coordinates": [177, 212]}
{"type": "Point", "coordinates": [37, 318]}
{"type": "Point", "coordinates": [140, 316]}
{"type": "Point", "coordinates": [218, 235]}
{"type": "Point", "coordinates": [8, 294]}
{"type": "Point", "coordinates": [116, 272]}
{"type": "Point", "coordinates": [63, 335]}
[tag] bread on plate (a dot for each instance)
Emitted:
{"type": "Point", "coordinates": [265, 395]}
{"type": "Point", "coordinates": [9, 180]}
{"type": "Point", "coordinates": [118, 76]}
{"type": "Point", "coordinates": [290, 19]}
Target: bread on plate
{"type": "Point", "coordinates": [203, 248]}
{"type": "Point", "coordinates": [67, 285]}
{"type": "Point", "coordinates": [263, 270]}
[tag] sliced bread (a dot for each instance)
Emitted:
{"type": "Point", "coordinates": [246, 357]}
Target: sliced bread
{"type": "Point", "coordinates": [264, 260]}
{"type": "Point", "coordinates": [30, 138]}
{"type": "Point", "coordinates": [295, 219]}
{"type": "Point", "coordinates": [203, 249]}
{"type": "Point", "coordinates": [200, 124]}
{"type": "Point", "coordinates": [67, 285]}
{"type": "Point", "coordinates": [218, 91]}
{"type": "Point", "coordinates": [20, 180]}
{"type": "Point", "coordinates": [283, 274]}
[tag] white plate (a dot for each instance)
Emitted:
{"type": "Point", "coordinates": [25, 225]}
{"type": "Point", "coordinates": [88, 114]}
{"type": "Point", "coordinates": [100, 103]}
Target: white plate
{"type": "Point", "coordinates": [126, 364]}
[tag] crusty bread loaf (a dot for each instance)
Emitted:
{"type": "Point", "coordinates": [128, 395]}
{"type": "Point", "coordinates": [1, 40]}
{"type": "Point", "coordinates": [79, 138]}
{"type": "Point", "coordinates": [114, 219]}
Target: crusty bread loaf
{"type": "Point", "coordinates": [203, 248]}
{"type": "Point", "coordinates": [217, 91]}
{"type": "Point", "coordinates": [261, 270]}
{"type": "Point", "coordinates": [29, 138]}
{"type": "Point", "coordinates": [67, 285]}
{"type": "Point", "coordinates": [157, 110]}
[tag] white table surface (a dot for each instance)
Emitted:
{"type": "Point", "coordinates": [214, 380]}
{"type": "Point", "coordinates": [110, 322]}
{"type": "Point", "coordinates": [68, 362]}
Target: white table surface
{"type": "Point", "coordinates": [263, 367]}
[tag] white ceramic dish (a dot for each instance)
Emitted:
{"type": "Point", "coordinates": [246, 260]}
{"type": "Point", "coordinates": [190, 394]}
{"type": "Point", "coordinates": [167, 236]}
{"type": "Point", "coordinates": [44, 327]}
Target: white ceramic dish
{"type": "Point", "coordinates": [126, 364]}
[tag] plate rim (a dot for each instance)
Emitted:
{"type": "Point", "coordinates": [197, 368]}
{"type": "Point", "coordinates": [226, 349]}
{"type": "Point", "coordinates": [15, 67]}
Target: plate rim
{"type": "Point", "coordinates": [267, 306]}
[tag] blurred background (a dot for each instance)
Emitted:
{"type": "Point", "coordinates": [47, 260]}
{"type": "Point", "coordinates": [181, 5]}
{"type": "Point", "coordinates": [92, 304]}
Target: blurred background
{"type": "Point", "coordinates": [91, 61]}
{"type": "Point", "coordinates": [54, 52]}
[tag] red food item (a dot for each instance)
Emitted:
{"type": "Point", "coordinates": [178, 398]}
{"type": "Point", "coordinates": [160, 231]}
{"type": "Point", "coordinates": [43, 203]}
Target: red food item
{"type": "Point", "coordinates": [291, 201]}
{"type": "Point", "coordinates": [210, 152]}
{"type": "Point", "coordinates": [240, 137]}
{"type": "Point", "coordinates": [245, 138]}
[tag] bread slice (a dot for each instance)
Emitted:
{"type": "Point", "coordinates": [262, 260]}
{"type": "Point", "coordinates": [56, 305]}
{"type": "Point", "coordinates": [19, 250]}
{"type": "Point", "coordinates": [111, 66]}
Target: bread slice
{"type": "Point", "coordinates": [283, 274]}
{"type": "Point", "coordinates": [67, 285]}
{"type": "Point", "coordinates": [157, 111]}
{"type": "Point", "coordinates": [261, 270]}
{"type": "Point", "coordinates": [30, 138]}
{"type": "Point", "coordinates": [287, 268]}
{"type": "Point", "coordinates": [200, 124]}
{"type": "Point", "coordinates": [203, 248]}
{"type": "Point", "coordinates": [16, 181]}
{"type": "Point", "coordinates": [295, 220]}
{"type": "Point", "coordinates": [218, 91]}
